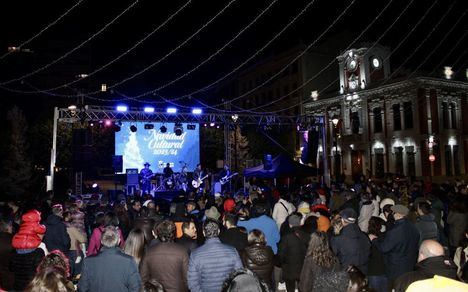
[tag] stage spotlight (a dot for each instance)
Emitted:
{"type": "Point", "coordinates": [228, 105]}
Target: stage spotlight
{"type": "Point", "coordinates": [91, 124]}
{"type": "Point", "coordinates": [95, 185]}
{"type": "Point", "coordinates": [178, 129]}
{"type": "Point", "coordinates": [122, 108]}
{"type": "Point", "coordinates": [133, 128]}
{"type": "Point", "coordinates": [108, 123]}
{"type": "Point", "coordinates": [191, 127]}
{"type": "Point", "coordinates": [235, 117]}
{"type": "Point", "coordinates": [149, 109]}
{"type": "Point", "coordinates": [212, 124]}
{"type": "Point", "coordinates": [197, 111]}
{"type": "Point", "coordinates": [149, 126]}
{"type": "Point", "coordinates": [163, 129]}
{"type": "Point", "coordinates": [171, 110]}
{"type": "Point", "coordinates": [72, 107]}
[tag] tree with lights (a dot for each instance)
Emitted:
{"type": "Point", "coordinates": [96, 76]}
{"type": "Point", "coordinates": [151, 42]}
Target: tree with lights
{"type": "Point", "coordinates": [132, 155]}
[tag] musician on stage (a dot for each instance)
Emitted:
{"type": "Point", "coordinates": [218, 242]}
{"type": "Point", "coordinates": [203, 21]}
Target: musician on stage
{"type": "Point", "coordinates": [225, 172]}
{"type": "Point", "coordinates": [198, 172]}
{"type": "Point", "coordinates": [167, 171]}
{"type": "Point", "coordinates": [146, 174]}
{"type": "Point", "coordinates": [224, 175]}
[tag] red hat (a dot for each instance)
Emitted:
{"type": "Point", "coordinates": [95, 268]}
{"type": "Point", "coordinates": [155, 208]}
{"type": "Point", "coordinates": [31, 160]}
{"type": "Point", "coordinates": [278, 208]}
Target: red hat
{"type": "Point", "coordinates": [28, 234]}
{"type": "Point", "coordinates": [321, 192]}
{"type": "Point", "coordinates": [229, 205]}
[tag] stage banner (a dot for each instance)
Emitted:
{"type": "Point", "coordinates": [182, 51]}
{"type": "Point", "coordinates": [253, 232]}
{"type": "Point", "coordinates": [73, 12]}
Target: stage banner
{"type": "Point", "coordinates": [156, 147]}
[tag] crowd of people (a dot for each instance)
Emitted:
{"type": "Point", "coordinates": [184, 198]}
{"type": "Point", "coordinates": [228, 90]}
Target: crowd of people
{"type": "Point", "coordinates": [365, 236]}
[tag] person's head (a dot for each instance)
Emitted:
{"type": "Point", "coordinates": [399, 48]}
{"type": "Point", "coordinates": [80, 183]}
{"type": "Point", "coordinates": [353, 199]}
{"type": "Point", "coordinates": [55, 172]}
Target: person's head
{"type": "Point", "coordinates": [256, 237]}
{"type": "Point", "coordinates": [387, 211]}
{"type": "Point", "coordinates": [190, 206]}
{"type": "Point", "coordinates": [260, 209]}
{"type": "Point", "coordinates": [357, 280]}
{"type": "Point", "coordinates": [424, 208]}
{"type": "Point", "coordinates": [57, 260]}
{"type": "Point", "coordinates": [57, 210]}
{"type": "Point", "coordinates": [348, 216]}
{"type": "Point", "coordinates": [49, 280]}
{"type": "Point", "coordinates": [168, 164]}
{"type": "Point", "coordinates": [230, 220]}
{"type": "Point", "coordinates": [189, 229]}
{"type": "Point", "coordinates": [6, 226]}
{"type": "Point", "coordinates": [319, 250]}
{"type": "Point", "coordinates": [399, 211]}
{"type": "Point", "coordinates": [136, 205]}
{"type": "Point", "coordinates": [199, 166]}
{"type": "Point", "coordinates": [294, 220]}
{"type": "Point", "coordinates": [110, 237]}
{"type": "Point", "coordinates": [244, 280]}
{"type": "Point", "coordinates": [375, 226]}
{"type": "Point", "coordinates": [111, 219]}
{"type": "Point", "coordinates": [147, 165]}
{"type": "Point", "coordinates": [429, 249]}
{"type": "Point", "coordinates": [165, 231]}
{"type": "Point", "coordinates": [210, 229]}
{"type": "Point", "coordinates": [135, 244]}
{"type": "Point", "coordinates": [153, 286]}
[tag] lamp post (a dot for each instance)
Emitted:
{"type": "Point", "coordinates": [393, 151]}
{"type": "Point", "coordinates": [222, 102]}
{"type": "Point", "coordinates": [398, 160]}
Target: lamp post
{"type": "Point", "coordinates": [335, 121]}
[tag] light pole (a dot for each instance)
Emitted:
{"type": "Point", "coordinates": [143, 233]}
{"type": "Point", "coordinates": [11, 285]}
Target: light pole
{"type": "Point", "coordinates": [335, 121]}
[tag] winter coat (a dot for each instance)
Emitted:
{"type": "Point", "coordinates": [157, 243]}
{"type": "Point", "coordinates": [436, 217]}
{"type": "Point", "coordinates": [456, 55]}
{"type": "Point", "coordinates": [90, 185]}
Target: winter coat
{"type": "Point", "coordinates": [312, 273]}
{"type": "Point", "coordinates": [352, 247]}
{"type": "Point", "coordinates": [56, 236]}
{"type": "Point", "coordinates": [95, 241]}
{"type": "Point", "coordinates": [427, 228]}
{"type": "Point", "coordinates": [292, 251]}
{"type": "Point", "coordinates": [260, 260]}
{"type": "Point", "coordinates": [281, 211]}
{"type": "Point", "coordinates": [427, 269]}
{"type": "Point", "coordinates": [210, 265]}
{"type": "Point", "coordinates": [188, 243]}
{"type": "Point", "coordinates": [167, 263]}
{"type": "Point", "coordinates": [23, 266]}
{"type": "Point", "coordinates": [400, 247]}
{"type": "Point", "coordinates": [28, 235]}
{"type": "Point", "coordinates": [6, 254]}
{"type": "Point", "coordinates": [376, 262]}
{"type": "Point", "coordinates": [365, 214]}
{"type": "Point", "coordinates": [267, 226]}
{"type": "Point", "coordinates": [234, 237]}
{"type": "Point", "coordinates": [458, 223]}
{"type": "Point", "coordinates": [110, 270]}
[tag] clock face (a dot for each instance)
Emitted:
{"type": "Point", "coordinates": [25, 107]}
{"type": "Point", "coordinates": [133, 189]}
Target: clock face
{"type": "Point", "coordinates": [352, 65]}
{"type": "Point", "coordinates": [353, 84]}
{"type": "Point", "coordinates": [376, 62]}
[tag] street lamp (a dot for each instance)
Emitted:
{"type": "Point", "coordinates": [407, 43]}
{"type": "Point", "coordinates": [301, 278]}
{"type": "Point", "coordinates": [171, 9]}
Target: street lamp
{"type": "Point", "coordinates": [335, 121]}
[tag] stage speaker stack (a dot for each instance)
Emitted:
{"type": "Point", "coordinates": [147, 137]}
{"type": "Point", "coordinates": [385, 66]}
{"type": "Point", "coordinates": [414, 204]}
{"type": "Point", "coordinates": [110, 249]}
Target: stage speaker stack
{"type": "Point", "coordinates": [117, 163]}
{"type": "Point", "coordinates": [132, 180]}
{"type": "Point", "coordinates": [82, 153]}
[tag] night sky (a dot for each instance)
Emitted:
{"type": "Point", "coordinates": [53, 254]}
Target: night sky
{"type": "Point", "coordinates": [19, 20]}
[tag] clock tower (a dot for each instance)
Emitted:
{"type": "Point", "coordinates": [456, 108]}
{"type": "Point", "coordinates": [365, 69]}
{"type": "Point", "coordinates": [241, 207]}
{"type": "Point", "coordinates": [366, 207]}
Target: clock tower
{"type": "Point", "coordinates": [361, 67]}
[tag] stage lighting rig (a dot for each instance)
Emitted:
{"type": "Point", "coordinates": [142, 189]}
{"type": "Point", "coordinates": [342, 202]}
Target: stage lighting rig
{"type": "Point", "coordinates": [191, 127]}
{"type": "Point", "coordinates": [149, 126]}
{"type": "Point", "coordinates": [163, 129]}
{"type": "Point", "coordinates": [178, 129]}
{"type": "Point", "coordinates": [133, 128]}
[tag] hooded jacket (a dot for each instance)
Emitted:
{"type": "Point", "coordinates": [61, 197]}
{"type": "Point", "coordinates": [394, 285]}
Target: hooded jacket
{"type": "Point", "coordinates": [352, 247]}
{"type": "Point", "coordinates": [427, 269]}
{"type": "Point", "coordinates": [427, 227]}
{"type": "Point", "coordinates": [260, 260]}
{"type": "Point", "coordinates": [28, 234]}
{"type": "Point", "coordinates": [56, 236]}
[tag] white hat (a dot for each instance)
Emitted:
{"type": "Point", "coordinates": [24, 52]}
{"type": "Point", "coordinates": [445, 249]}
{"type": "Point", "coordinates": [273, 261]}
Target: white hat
{"type": "Point", "coordinates": [145, 204]}
{"type": "Point", "coordinates": [386, 201]}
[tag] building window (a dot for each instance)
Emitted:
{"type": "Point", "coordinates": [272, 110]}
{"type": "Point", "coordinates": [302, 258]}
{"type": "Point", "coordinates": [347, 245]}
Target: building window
{"type": "Point", "coordinates": [411, 161]}
{"type": "Point", "coordinates": [453, 111]}
{"type": "Point", "coordinates": [379, 163]}
{"type": "Point", "coordinates": [355, 123]}
{"type": "Point", "coordinates": [396, 117]}
{"type": "Point", "coordinates": [456, 160]}
{"type": "Point", "coordinates": [377, 120]}
{"type": "Point", "coordinates": [445, 115]}
{"type": "Point", "coordinates": [448, 160]}
{"type": "Point", "coordinates": [408, 115]}
{"type": "Point", "coordinates": [398, 160]}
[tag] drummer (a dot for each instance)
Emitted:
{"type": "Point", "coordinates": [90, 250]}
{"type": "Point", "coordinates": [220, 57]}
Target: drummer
{"type": "Point", "coordinates": [167, 171]}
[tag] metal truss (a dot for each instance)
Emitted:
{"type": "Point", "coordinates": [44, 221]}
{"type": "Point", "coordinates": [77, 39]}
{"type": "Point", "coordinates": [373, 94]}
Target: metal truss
{"type": "Point", "coordinates": [99, 113]}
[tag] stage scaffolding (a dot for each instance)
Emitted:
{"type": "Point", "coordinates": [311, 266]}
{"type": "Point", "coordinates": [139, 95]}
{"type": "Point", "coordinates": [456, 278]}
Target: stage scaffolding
{"type": "Point", "coordinates": [89, 113]}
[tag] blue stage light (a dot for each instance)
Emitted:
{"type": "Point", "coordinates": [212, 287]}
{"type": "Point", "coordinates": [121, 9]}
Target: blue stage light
{"type": "Point", "coordinates": [149, 109]}
{"type": "Point", "coordinates": [171, 110]}
{"type": "Point", "coordinates": [122, 108]}
{"type": "Point", "coordinates": [197, 111]}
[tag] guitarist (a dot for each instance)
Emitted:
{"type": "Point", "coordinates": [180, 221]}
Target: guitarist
{"type": "Point", "coordinates": [146, 174]}
{"type": "Point", "coordinates": [224, 174]}
{"type": "Point", "coordinates": [198, 177]}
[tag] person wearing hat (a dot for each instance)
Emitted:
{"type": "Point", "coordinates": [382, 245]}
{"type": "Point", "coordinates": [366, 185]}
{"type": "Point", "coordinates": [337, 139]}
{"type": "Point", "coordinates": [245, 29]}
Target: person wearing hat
{"type": "Point", "coordinates": [292, 251]}
{"type": "Point", "coordinates": [212, 213]}
{"type": "Point", "coordinates": [145, 178]}
{"type": "Point", "coordinates": [351, 245]}
{"type": "Point", "coordinates": [399, 245]}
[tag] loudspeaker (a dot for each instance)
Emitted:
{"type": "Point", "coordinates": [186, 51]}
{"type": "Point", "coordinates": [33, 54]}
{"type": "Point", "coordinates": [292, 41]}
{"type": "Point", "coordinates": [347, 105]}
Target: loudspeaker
{"type": "Point", "coordinates": [82, 137]}
{"type": "Point", "coordinates": [117, 163]}
{"type": "Point", "coordinates": [267, 162]}
{"type": "Point", "coordinates": [132, 176]}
